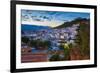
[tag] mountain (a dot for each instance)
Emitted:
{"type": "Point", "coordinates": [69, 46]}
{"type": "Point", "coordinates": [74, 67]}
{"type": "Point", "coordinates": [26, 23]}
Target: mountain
{"type": "Point", "coordinates": [75, 21]}
{"type": "Point", "coordinates": [26, 27]}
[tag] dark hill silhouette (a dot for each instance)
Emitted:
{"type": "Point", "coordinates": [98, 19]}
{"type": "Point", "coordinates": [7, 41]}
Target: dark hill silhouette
{"type": "Point", "coordinates": [75, 21]}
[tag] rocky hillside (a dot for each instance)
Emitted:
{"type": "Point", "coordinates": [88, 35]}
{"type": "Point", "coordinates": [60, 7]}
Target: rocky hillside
{"type": "Point", "coordinates": [75, 21]}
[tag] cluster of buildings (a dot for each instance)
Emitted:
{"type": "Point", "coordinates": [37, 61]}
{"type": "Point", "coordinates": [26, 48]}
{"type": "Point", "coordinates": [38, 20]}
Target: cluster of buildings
{"type": "Point", "coordinates": [55, 36]}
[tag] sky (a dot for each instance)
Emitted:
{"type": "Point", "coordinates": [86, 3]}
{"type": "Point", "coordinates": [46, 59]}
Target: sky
{"type": "Point", "coordinates": [49, 18]}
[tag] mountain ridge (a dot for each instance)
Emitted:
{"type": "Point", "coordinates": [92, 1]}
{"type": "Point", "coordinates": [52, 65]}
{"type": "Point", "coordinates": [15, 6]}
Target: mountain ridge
{"type": "Point", "coordinates": [70, 23]}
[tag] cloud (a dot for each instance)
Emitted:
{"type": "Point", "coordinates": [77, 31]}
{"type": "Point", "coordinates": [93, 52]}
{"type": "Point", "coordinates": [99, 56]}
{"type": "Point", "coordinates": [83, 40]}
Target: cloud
{"type": "Point", "coordinates": [50, 16]}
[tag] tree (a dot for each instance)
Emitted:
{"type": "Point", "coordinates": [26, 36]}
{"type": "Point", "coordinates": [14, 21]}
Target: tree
{"type": "Point", "coordinates": [55, 57]}
{"type": "Point", "coordinates": [33, 43]}
{"type": "Point", "coordinates": [66, 51]}
{"type": "Point", "coordinates": [40, 43]}
{"type": "Point", "coordinates": [65, 47]}
{"type": "Point", "coordinates": [82, 39]}
{"type": "Point", "coordinates": [25, 40]}
{"type": "Point", "coordinates": [47, 43]}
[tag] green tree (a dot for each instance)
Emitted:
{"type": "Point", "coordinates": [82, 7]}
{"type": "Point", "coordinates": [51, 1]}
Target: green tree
{"type": "Point", "coordinates": [33, 43]}
{"type": "Point", "coordinates": [55, 57]}
{"type": "Point", "coordinates": [37, 43]}
{"type": "Point", "coordinates": [65, 47]}
{"type": "Point", "coordinates": [47, 43]}
{"type": "Point", "coordinates": [25, 40]}
{"type": "Point", "coordinates": [66, 51]}
{"type": "Point", "coordinates": [82, 39]}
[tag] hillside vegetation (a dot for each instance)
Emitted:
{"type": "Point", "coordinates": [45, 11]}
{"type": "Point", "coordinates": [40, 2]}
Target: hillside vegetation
{"type": "Point", "coordinates": [82, 47]}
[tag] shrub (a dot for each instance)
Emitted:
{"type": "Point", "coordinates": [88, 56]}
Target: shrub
{"type": "Point", "coordinates": [25, 40]}
{"type": "Point", "coordinates": [55, 57]}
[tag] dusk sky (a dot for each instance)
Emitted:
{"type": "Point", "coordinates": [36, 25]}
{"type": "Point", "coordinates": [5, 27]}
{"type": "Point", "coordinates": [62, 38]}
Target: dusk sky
{"type": "Point", "coordinates": [49, 18]}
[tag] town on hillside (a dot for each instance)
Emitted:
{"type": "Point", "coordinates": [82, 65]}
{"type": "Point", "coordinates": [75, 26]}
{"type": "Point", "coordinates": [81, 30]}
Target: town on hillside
{"type": "Point", "coordinates": [48, 36]}
{"type": "Point", "coordinates": [54, 44]}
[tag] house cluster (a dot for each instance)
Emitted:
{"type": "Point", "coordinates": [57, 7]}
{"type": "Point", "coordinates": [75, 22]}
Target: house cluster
{"type": "Point", "coordinates": [66, 34]}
